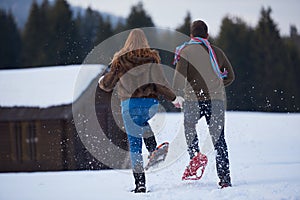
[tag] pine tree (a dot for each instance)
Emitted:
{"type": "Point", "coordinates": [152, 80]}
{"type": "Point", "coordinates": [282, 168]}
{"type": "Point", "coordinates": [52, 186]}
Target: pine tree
{"type": "Point", "coordinates": [45, 10]}
{"type": "Point", "coordinates": [119, 27]}
{"type": "Point", "coordinates": [64, 46]}
{"type": "Point", "coordinates": [138, 18]}
{"type": "Point", "coordinates": [273, 64]}
{"type": "Point", "coordinates": [236, 40]}
{"type": "Point", "coordinates": [104, 30]}
{"type": "Point", "coordinates": [185, 27]}
{"type": "Point", "coordinates": [36, 36]}
{"type": "Point", "coordinates": [292, 44]}
{"type": "Point", "coordinates": [32, 37]}
{"type": "Point", "coordinates": [10, 41]}
{"type": "Point", "coordinates": [87, 26]}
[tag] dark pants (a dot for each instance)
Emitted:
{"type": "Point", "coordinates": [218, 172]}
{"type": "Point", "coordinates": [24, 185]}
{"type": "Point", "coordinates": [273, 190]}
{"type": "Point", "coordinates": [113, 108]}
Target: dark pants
{"type": "Point", "coordinates": [213, 111]}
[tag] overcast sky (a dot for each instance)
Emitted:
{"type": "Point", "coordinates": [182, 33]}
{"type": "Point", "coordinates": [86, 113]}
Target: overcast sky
{"type": "Point", "coordinates": [171, 13]}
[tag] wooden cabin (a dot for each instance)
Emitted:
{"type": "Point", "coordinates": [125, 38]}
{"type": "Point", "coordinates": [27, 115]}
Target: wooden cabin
{"type": "Point", "coordinates": [37, 127]}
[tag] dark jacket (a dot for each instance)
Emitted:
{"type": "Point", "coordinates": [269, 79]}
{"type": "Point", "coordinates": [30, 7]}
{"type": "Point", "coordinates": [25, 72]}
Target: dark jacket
{"type": "Point", "coordinates": [195, 78]}
{"type": "Point", "coordinates": [137, 74]}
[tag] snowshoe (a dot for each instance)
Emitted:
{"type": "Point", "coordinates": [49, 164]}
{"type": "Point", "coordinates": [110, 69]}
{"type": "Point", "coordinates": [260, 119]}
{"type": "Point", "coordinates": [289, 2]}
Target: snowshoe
{"type": "Point", "coordinates": [158, 155]}
{"type": "Point", "coordinates": [197, 162]}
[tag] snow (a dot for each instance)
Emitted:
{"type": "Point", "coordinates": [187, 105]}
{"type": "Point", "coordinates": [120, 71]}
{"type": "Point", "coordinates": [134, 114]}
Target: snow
{"type": "Point", "coordinates": [263, 149]}
{"type": "Point", "coordinates": [46, 86]}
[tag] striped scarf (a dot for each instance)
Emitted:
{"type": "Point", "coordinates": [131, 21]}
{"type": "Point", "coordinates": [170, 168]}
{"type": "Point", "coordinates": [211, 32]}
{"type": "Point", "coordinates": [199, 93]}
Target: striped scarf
{"type": "Point", "coordinates": [212, 55]}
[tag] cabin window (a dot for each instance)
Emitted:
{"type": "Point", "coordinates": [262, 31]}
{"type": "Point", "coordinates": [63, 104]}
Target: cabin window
{"type": "Point", "coordinates": [25, 141]}
{"type": "Point", "coordinates": [31, 140]}
{"type": "Point", "coordinates": [18, 143]}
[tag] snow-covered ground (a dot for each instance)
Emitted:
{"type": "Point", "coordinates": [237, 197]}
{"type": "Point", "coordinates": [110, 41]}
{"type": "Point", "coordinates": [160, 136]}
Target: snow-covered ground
{"type": "Point", "coordinates": [264, 153]}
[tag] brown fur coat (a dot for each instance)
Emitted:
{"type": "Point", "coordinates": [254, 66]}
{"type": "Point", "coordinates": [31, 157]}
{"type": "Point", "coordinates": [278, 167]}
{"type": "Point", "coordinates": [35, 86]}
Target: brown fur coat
{"type": "Point", "coordinates": [137, 74]}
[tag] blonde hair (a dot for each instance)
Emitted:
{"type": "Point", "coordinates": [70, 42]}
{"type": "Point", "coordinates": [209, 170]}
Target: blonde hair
{"type": "Point", "coordinates": [136, 40]}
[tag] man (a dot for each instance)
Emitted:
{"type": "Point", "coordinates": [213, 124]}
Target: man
{"type": "Point", "coordinates": [202, 71]}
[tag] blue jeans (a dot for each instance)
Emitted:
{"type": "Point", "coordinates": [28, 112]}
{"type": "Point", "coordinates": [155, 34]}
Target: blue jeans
{"type": "Point", "coordinates": [136, 113]}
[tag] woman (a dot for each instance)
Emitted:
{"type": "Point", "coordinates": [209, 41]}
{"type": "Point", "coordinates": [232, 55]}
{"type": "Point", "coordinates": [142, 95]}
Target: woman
{"type": "Point", "coordinates": [139, 79]}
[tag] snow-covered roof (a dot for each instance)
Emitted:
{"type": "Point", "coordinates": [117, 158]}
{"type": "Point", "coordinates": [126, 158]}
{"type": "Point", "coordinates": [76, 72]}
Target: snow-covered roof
{"type": "Point", "coordinates": [47, 86]}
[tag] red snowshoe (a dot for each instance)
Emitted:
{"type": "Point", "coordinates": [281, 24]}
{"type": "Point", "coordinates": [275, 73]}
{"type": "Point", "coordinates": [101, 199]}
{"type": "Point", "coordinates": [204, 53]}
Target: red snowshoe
{"type": "Point", "coordinates": [198, 162]}
{"type": "Point", "coordinates": [158, 155]}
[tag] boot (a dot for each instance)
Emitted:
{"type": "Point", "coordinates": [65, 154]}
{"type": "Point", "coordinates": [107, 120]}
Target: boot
{"type": "Point", "coordinates": [139, 182]}
{"type": "Point", "coordinates": [225, 182]}
{"type": "Point", "coordinates": [150, 142]}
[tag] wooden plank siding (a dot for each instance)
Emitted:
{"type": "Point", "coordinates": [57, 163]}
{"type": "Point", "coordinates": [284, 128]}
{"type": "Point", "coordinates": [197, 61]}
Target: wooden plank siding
{"type": "Point", "coordinates": [46, 139]}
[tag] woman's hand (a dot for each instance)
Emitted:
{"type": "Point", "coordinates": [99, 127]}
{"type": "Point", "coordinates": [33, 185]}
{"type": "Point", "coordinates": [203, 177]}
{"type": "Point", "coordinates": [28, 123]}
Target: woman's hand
{"type": "Point", "coordinates": [178, 101]}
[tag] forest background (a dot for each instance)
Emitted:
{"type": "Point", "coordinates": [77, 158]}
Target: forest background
{"type": "Point", "coordinates": [266, 64]}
